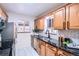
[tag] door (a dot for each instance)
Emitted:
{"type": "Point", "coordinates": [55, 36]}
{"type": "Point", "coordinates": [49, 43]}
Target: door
{"type": "Point", "coordinates": [59, 19]}
{"type": "Point", "coordinates": [73, 14]}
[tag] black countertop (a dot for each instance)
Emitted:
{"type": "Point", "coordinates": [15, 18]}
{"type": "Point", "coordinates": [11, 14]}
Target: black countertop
{"type": "Point", "coordinates": [54, 42]}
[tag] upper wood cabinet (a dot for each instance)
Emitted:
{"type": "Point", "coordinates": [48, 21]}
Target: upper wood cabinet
{"type": "Point", "coordinates": [67, 17]}
{"type": "Point", "coordinates": [35, 24]}
{"type": "Point", "coordinates": [1, 12]}
{"type": "Point", "coordinates": [59, 19]}
{"type": "Point", "coordinates": [3, 15]}
{"type": "Point", "coordinates": [39, 24]}
{"type": "Point", "coordinates": [73, 16]}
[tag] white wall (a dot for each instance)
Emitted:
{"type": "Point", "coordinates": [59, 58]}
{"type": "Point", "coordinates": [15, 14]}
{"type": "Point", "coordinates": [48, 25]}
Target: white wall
{"type": "Point", "coordinates": [13, 17]}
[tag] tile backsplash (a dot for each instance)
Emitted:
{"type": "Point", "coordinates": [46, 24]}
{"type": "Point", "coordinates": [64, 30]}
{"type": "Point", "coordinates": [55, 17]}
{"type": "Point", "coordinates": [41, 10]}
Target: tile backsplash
{"type": "Point", "coordinates": [69, 33]}
{"type": "Point", "coordinates": [72, 34]}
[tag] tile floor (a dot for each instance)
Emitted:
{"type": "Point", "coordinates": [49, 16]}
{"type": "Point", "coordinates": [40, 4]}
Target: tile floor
{"type": "Point", "coordinates": [23, 45]}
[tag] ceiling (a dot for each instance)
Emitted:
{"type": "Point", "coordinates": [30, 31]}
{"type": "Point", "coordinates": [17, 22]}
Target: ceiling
{"type": "Point", "coordinates": [29, 9]}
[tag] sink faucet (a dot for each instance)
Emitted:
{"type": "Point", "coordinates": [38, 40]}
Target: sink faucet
{"type": "Point", "coordinates": [48, 33]}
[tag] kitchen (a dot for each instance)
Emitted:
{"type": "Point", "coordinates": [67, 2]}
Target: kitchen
{"type": "Point", "coordinates": [39, 29]}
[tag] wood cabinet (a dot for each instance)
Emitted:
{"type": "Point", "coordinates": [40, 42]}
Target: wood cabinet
{"type": "Point", "coordinates": [38, 47]}
{"type": "Point", "coordinates": [63, 53]}
{"type": "Point", "coordinates": [59, 19]}
{"type": "Point", "coordinates": [67, 17]}
{"type": "Point", "coordinates": [73, 16]}
{"type": "Point", "coordinates": [3, 15]}
{"type": "Point", "coordinates": [32, 41]}
{"type": "Point", "coordinates": [39, 24]}
{"type": "Point", "coordinates": [1, 12]}
{"type": "Point", "coordinates": [35, 43]}
{"type": "Point", "coordinates": [36, 24]}
{"type": "Point", "coordinates": [43, 48]}
{"type": "Point", "coordinates": [50, 50]}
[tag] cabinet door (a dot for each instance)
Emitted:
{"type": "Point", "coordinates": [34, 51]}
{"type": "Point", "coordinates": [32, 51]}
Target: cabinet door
{"type": "Point", "coordinates": [42, 50]}
{"type": "Point", "coordinates": [41, 24]}
{"type": "Point", "coordinates": [42, 46]}
{"type": "Point", "coordinates": [32, 41]}
{"type": "Point", "coordinates": [35, 24]}
{"type": "Point", "coordinates": [50, 51]}
{"type": "Point", "coordinates": [35, 43]}
{"type": "Point", "coordinates": [38, 46]}
{"type": "Point", "coordinates": [2, 14]}
{"type": "Point", "coordinates": [63, 53]}
{"type": "Point", "coordinates": [59, 19]}
{"type": "Point", "coordinates": [38, 24]}
{"type": "Point", "coordinates": [73, 20]}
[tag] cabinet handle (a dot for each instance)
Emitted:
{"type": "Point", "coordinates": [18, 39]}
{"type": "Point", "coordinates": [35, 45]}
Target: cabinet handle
{"type": "Point", "coordinates": [68, 24]}
{"type": "Point", "coordinates": [64, 24]}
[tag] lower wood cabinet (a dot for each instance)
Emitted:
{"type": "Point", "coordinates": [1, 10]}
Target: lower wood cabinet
{"type": "Point", "coordinates": [38, 47]}
{"type": "Point", "coordinates": [35, 43]}
{"type": "Point", "coordinates": [63, 53]}
{"type": "Point", "coordinates": [43, 48]}
{"type": "Point", "coordinates": [50, 50]}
